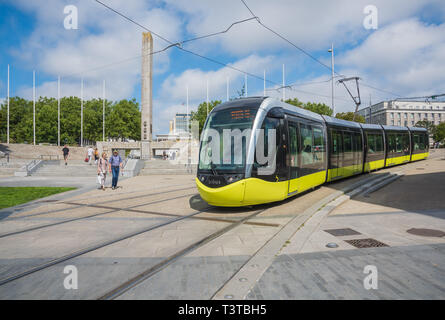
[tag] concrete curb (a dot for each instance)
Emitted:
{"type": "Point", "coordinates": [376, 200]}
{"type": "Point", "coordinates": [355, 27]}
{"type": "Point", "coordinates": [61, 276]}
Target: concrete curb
{"type": "Point", "coordinates": [243, 281]}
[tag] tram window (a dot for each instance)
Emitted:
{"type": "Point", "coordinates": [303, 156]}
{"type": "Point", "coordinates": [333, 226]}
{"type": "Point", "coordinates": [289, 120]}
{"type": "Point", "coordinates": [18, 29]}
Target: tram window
{"type": "Point", "coordinates": [399, 139]}
{"type": "Point", "coordinates": [392, 143]}
{"type": "Point", "coordinates": [306, 138]}
{"type": "Point", "coordinates": [294, 147]}
{"type": "Point", "coordinates": [372, 148]}
{"type": "Point", "coordinates": [347, 149]}
{"type": "Point", "coordinates": [405, 143]}
{"type": "Point", "coordinates": [318, 148]}
{"type": "Point", "coordinates": [379, 143]}
{"type": "Point", "coordinates": [357, 148]}
{"type": "Point", "coordinates": [416, 142]}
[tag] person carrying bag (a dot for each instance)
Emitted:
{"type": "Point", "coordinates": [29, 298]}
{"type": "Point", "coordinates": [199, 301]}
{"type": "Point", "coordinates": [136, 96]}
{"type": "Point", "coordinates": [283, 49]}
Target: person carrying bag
{"type": "Point", "coordinates": [102, 168]}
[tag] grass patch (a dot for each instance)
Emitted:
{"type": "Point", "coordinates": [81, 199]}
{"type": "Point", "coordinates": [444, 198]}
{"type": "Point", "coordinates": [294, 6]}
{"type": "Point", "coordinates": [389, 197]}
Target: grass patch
{"type": "Point", "coordinates": [12, 196]}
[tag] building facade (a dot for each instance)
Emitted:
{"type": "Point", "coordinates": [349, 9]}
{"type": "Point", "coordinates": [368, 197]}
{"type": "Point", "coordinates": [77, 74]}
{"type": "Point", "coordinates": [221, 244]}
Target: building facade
{"type": "Point", "coordinates": [181, 123]}
{"type": "Point", "coordinates": [404, 113]}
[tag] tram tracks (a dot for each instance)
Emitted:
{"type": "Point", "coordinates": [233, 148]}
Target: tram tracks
{"type": "Point", "coordinates": [77, 205]}
{"type": "Point", "coordinates": [113, 210]}
{"type": "Point", "coordinates": [146, 273]}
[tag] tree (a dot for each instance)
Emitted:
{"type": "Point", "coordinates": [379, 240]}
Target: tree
{"type": "Point", "coordinates": [349, 116]}
{"type": "Point", "coordinates": [122, 119]}
{"type": "Point", "coordinates": [428, 125]}
{"type": "Point", "coordinates": [319, 108]}
{"type": "Point", "coordinates": [200, 114]}
{"type": "Point", "coordinates": [439, 133]}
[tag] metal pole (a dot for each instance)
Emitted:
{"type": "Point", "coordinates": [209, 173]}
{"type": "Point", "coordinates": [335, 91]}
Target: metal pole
{"type": "Point", "coordinates": [245, 85]}
{"type": "Point", "coordinates": [332, 81]}
{"type": "Point", "coordinates": [81, 112]}
{"type": "Point", "coordinates": [7, 135]}
{"type": "Point", "coordinates": [284, 89]}
{"type": "Point", "coordinates": [103, 112]}
{"type": "Point", "coordinates": [227, 89]}
{"type": "Point", "coordinates": [207, 97]}
{"type": "Point", "coordinates": [58, 111]}
{"type": "Point", "coordinates": [187, 111]}
{"type": "Point", "coordinates": [264, 83]}
{"type": "Point", "coordinates": [34, 106]}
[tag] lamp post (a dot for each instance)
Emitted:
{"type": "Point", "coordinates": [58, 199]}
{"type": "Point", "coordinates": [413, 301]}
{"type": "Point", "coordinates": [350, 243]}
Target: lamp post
{"type": "Point", "coordinates": [332, 80]}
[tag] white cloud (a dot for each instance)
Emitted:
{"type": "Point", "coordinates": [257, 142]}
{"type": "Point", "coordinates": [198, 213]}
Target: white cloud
{"type": "Point", "coordinates": [405, 57]}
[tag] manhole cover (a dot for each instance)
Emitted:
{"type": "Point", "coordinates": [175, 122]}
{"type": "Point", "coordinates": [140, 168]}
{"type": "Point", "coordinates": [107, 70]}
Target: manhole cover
{"type": "Point", "coordinates": [420, 168]}
{"type": "Point", "coordinates": [426, 232]}
{"type": "Point", "coordinates": [366, 243]}
{"type": "Point", "coordinates": [342, 232]}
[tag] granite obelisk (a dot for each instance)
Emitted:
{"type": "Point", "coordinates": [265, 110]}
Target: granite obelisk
{"type": "Point", "coordinates": [146, 95]}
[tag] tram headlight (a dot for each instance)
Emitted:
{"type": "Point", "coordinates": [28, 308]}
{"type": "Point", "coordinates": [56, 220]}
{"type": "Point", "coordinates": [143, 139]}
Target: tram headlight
{"type": "Point", "coordinates": [233, 178]}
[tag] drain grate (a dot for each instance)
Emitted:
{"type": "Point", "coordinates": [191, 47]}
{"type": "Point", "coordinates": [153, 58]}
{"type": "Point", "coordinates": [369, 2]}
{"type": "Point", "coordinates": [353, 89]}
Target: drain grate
{"type": "Point", "coordinates": [426, 232]}
{"type": "Point", "coordinates": [366, 243]}
{"type": "Point", "coordinates": [342, 232]}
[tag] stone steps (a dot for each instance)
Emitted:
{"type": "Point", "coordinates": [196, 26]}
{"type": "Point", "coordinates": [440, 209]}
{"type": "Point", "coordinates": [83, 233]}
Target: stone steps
{"type": "Point", "coordinates": [164, 167]}
{"type": "Point", "coordinates": [71, 170]}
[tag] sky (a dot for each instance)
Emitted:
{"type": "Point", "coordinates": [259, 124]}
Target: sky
{"type": "Point", "coordinates": [403, 56]}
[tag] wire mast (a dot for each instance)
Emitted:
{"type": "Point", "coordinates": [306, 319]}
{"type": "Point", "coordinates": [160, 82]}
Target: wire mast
{"type": "Point", "coordinates": [356, 99]}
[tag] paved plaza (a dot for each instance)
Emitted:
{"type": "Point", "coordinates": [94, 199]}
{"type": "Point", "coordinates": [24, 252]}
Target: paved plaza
{"type": "Point", "coordinates": [157, 231]}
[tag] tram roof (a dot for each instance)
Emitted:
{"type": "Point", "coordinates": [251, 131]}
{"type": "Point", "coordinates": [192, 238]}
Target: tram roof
{"type": "Point", "coordinates": [419, 129]}
{"type": "Point", "coordinates": [371, 126]}
{"type": "Point", "coordinates": [341, 123]}
{"type": "Point", "coordinates": [250, 102]}
{"type": "Point", "coordinates": [394, 128]}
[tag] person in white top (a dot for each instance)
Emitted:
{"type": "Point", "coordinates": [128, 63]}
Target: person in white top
{"type": "Point", "coordinates": [90, 154]}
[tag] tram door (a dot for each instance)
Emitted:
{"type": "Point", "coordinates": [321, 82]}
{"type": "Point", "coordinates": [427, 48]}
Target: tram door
{"type": "Point", "coordinates": [336, 154]}
{"type": "Point", "coordinates": [293, 158]}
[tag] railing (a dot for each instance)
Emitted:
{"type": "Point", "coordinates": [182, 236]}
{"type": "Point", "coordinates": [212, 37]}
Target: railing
{"type": "Point", "coordinates": [49, 157]}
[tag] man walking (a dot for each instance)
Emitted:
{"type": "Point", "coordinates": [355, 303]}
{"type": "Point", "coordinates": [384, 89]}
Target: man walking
{"type": "Point", "coordinates": [115, 165]}
{"type": "Point", "coordinates": [90, 154]}
{"type": "Point", "coordinates": [66, 153]}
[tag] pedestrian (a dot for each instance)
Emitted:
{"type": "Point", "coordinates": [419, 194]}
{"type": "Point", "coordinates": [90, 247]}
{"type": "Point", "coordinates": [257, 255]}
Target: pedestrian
{"type": "Point", "coordinates": [115, 165]}
{"type": "Point", "coordinates": [66, 153]}
{"type": "Point", "coordinates": [90, 154]}
{"type": "Point", "coordinates": [96, 156]}
{"type": "Point", "coordinates": [102, 168]}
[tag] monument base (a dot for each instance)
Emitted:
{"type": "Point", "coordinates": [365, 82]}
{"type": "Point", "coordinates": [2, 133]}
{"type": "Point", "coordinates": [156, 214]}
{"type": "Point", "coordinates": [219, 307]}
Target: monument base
{"type": "Point", "coordinates": [145, 150]}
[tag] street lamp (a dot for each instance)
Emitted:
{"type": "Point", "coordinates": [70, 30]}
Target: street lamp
{"type": "Point", "coordinates": [332, 81]}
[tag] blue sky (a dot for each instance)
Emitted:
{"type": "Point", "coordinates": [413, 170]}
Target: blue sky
{"type": "Point", "coordinates": [404, 55]}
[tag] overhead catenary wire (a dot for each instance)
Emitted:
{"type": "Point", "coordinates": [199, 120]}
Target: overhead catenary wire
{"type": "Point", "coordinates": [179, 46]}
{"type": "Point", "coordinates": [307, 53]}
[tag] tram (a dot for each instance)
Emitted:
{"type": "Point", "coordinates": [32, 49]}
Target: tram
{"type": "Point", "coordinates": [305, 150]}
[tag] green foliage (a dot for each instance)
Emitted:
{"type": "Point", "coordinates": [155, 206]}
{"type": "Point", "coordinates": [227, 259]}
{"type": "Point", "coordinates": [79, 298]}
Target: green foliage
{"type": "Point", "coordinates": [122, 120]}
{"type": "Point", "coordinates": [439, 133]}
{"type": "Point", "coordinates": [428, 125]}
{"type": "Point", "coordinates": [349, 116]}
{"type": "Point", "coordinates": [200, 115]}
{"type": "Point", "coordinates": [319, 108]}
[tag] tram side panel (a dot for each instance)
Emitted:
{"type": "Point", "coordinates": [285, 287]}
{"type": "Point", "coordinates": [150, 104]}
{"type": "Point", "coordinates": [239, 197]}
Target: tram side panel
{"type": "Point", "coordinates": [419, 145]}
{"type": "Point", "coordinates": [375, 150]}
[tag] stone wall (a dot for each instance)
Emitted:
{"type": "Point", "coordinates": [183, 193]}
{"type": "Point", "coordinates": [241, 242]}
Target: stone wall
{"type": "Point", "coordinates": [29, 151]}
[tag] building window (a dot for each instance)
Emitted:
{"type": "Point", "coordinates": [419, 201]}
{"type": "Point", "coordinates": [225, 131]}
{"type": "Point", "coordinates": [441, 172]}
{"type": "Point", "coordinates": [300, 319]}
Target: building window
{"type": "Point", "coordinates": [412, 115]}
{"type": "Point", "coordinates": [392, 115]}
{"type": "Point", "coordinates": [412, 123]}
{"type": "Point", "coordinates": [405, 116]}
{"type": "Point", "coordinates": [392, 122]}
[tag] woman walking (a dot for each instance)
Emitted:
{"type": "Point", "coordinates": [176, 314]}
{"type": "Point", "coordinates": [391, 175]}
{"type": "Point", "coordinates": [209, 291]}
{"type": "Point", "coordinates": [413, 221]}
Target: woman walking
{"type": "Point", "coordinates": [102, 168]}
